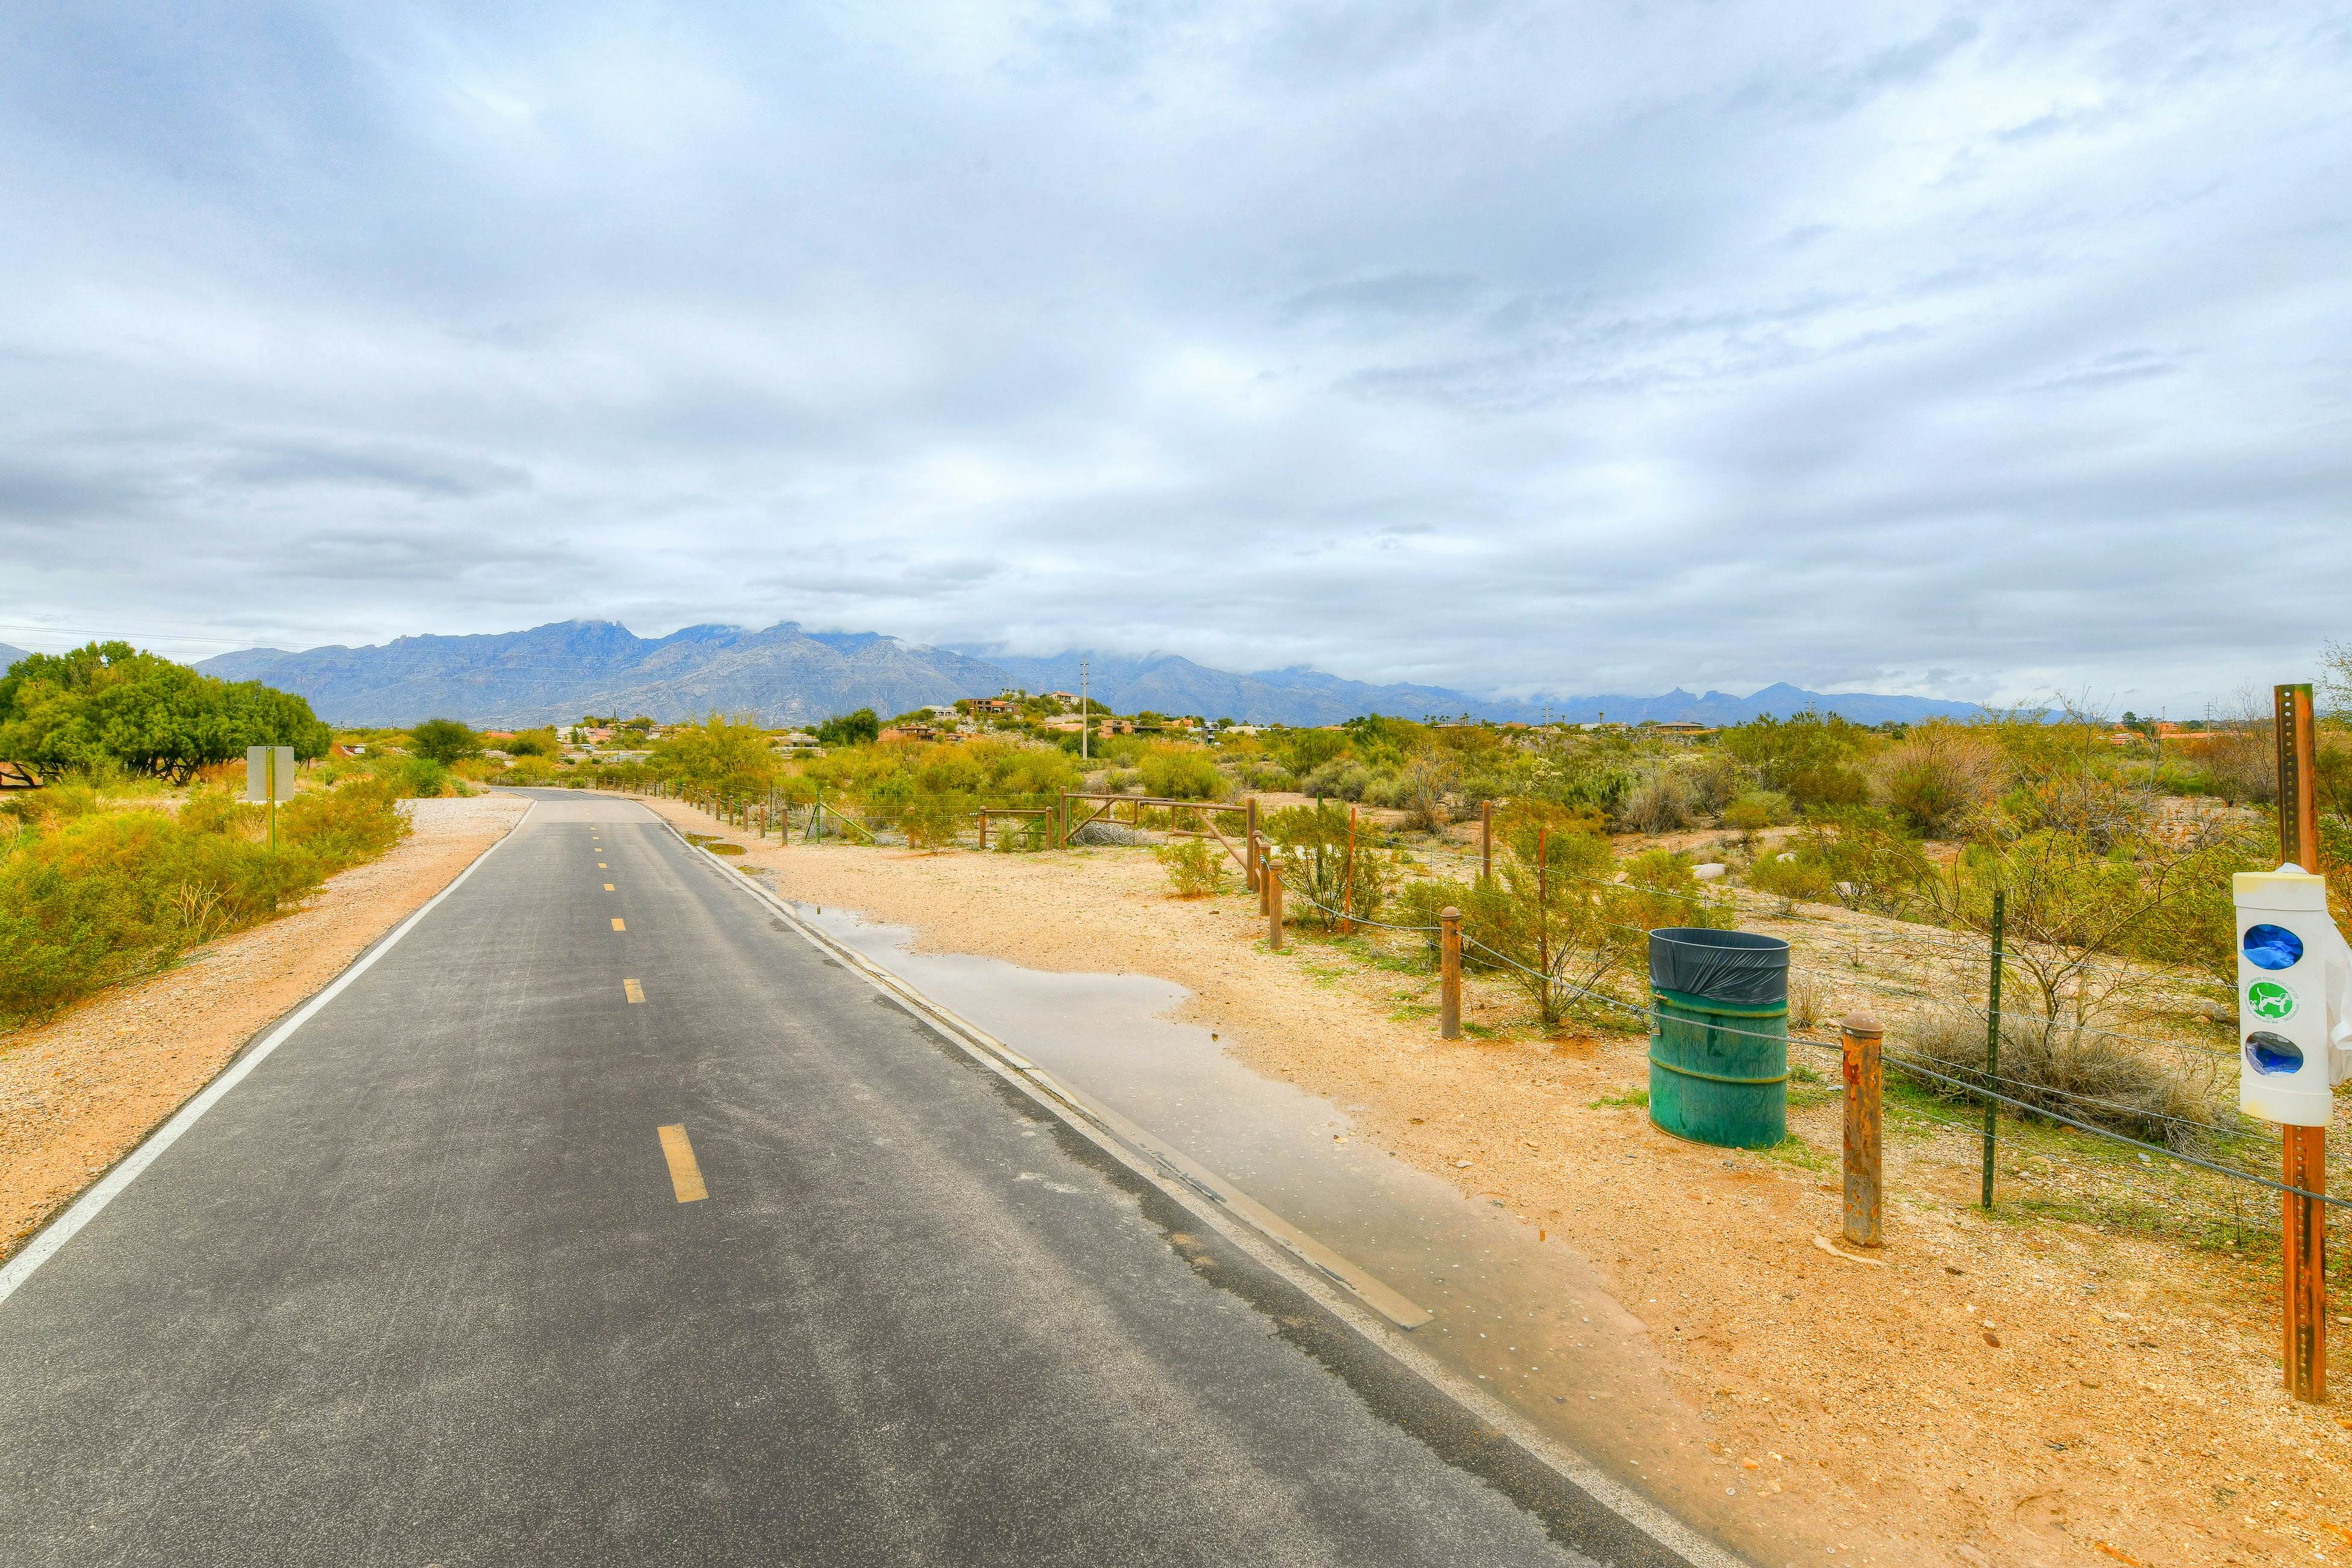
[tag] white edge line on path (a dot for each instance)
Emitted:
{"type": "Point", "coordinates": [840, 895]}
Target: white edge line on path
{"type": "Point", "coordinates": [60, 1230]}
{"type": "Point", "coordinates": [1622, 1500]}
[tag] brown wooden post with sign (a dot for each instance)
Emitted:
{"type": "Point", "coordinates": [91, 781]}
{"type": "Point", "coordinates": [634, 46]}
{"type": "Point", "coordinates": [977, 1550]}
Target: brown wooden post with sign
{"type": "Point", "coordinates": [1865, 1085]}
{"type": "Point", "coordinates": [2303, 1241]}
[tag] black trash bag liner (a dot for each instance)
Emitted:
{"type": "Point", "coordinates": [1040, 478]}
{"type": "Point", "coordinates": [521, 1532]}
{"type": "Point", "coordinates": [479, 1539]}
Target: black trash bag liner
{"type": "Point", "coordinates": [1743, 969]}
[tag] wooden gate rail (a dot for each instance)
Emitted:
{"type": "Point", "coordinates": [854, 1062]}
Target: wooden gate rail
{"type": "Point", "coordinates": [1208, 822]}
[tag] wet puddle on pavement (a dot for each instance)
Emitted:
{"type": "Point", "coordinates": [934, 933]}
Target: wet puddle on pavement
{"type": "Point", "coordinates": [1529, 1320]}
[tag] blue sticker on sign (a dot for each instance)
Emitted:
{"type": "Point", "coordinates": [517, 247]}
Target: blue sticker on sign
{"type": "Point", "coordinates": [2273, 947]}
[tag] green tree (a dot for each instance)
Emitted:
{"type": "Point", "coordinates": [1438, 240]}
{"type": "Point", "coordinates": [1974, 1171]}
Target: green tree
{"type": "Point", "coordinates": [445, 740]}
{"type": "Point", "coordinates": [110, 704]}
{"type": "Point", "coordinates": [718, 754]}
{"type": "Point", "coordinates": [859, 728]}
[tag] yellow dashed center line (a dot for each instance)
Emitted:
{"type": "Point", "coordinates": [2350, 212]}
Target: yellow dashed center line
{"type": "Point", "coordinates": [633, 991]}
{"type": "Point", "coordinates": [685, 1176]}
{"type": "Point", "coordinates": [602, 866]}
{"type": "Point", "coordinates": [608, 887]}
{"type": "Point", "coordinates": [616, 924]}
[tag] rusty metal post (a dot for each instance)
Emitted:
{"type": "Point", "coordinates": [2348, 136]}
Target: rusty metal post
{"type": "Point", "coordinates": [1486, 840]}
{"type": "Point", "coordinates": [1864, 1084]}
{"type": "Point", "coordinates": [1249, 850]}
{"type": "Point", "coordinates": [1062, 821]}
{"type": "Point", "coordinates": [2303, 1238]}
{"type": "Point", "coordinates": [983, 829]}
{"type": "Point", "coordinates": [1265, 859]}
{"type": "Point", "coordinates": [1449, 973]}
{"type": "Point", "coordinates": [1273, 906]}
{"type": "Point", "coordinates": [2305, 1257]}
{"type": "Point", "coordinates": [1348, 891]}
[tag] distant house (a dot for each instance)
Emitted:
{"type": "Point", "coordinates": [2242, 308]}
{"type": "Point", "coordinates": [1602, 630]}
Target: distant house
{"type": "Point", "coordinates": [1684, 726]}
{"type": "Point", "coordinates": [1068, 699]}
{"type": "Point", "coordinates": [793, 740]}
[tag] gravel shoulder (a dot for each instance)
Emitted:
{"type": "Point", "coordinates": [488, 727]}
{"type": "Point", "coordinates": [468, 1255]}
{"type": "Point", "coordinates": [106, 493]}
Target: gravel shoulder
{"type": "Point", "coordinates": [79, 1092]}
{"type": "Point", "coordinates": [2001, 1391]}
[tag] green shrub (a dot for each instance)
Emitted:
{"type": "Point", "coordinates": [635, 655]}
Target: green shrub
{"type": "Point", "coordinates": [1181, 773]}
{"type": "Point", "coordinates": [1194, 870]}
{"type": "Point", "coordinates": [103, 895]}
{"type": "Point", "coordinates": [930, 821]}
{"type": "Point", "coordinates": [1661, 803]}
{"type": "Point", "coordinates": [445, 740]}
{"type": "Point", "coordinates": [1757, 810]}
{"type": "Point", "coordinates": [340, 828]}
{"type": "Point", "coordinates": [421, 777]}
{"type": "Point", "coordinates": [1940, 777]}
{"type": "Point", "coordinates": [1342, 778]}
{"type": "Point", "coordinates": [1312, 845]}
{"type": "Point", "coordinates": [1790, 875]}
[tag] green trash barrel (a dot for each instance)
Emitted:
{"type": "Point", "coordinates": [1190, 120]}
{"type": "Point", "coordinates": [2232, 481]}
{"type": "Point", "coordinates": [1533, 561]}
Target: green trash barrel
{"type": "Point", "coordinates": [1719, 1036]}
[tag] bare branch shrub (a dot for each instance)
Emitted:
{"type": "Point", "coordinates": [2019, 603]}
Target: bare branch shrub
{"type": "Point", "coordinates": [2077, 1073]}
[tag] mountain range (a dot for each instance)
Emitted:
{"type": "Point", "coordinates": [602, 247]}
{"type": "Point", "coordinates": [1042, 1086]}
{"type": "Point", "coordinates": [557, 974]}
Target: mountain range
{"type": "Point", "coordinates": [785, 674]}
{"type": "Point", "coordinates": [8, 657]}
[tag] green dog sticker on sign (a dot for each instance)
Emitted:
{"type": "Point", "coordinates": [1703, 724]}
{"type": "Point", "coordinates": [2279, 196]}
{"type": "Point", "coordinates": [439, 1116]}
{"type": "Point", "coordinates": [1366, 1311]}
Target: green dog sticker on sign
{"type": "Point", "coordinates": [2269, 999]}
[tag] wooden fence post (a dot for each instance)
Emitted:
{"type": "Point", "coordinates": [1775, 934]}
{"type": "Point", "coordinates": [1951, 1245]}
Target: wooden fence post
{"type": "Point", "coordinates": [2303, 1239]}
{"type": "Point", "coordinates": [1864, 1084]}
{"type": "Point", "coordinates": [1062, 820]}
{"type": "Point", "coordinates": [1273, 906]}
{"type": "Point", "coordinates": [1249, 856]}
{"type": "Point", "coordinates": [1449, 975]}
{"type": "Point", "coordinates": [1486, 841]}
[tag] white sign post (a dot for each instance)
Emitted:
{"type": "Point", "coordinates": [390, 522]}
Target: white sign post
{"type": "Point", "coordinates": [270, 775]}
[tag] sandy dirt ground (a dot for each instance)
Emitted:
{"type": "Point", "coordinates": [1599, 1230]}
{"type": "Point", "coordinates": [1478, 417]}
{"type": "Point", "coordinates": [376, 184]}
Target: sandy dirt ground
{"type": "Point", "coordinates": [1995, 1391]}
{"type": "Point", "coordinates": [79, 1092]}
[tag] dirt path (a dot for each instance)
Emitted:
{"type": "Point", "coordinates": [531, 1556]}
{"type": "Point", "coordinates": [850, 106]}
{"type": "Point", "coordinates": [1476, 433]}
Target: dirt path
{"type": "Point", "coordinates": [2000, 1392]}
{"type": "Point", "coordinates": [79, 1093]}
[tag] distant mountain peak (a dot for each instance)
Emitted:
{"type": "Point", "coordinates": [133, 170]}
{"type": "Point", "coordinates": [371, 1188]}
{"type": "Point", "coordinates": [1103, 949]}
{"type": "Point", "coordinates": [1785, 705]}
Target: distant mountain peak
{"type": "Point", "coordinates": [785, 674]}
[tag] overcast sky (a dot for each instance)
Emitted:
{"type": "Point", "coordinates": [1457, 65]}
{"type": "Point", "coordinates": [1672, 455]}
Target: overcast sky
{"type": "Point", "coordinates": [1983, 352]}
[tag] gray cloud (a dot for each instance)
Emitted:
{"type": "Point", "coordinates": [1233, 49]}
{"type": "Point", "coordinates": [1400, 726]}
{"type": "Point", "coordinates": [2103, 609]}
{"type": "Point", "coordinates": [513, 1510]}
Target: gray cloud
{"type": "Point", "coordinates": [1981, 352]}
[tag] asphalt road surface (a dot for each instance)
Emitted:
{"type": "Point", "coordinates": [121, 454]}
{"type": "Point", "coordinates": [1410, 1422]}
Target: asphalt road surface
{"type": "Point", "coordinates": [433, 1284]}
